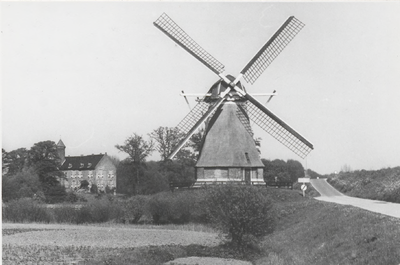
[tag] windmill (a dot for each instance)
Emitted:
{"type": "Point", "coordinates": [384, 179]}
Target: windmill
{"type": "Point", "coordinates": [228, 152]}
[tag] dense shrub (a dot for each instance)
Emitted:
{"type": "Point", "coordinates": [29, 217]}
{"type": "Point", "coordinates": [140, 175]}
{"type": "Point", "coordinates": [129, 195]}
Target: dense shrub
{"type": "Point", "coordinates": [382, 184]}
{"type": "Point", "coordinates": [99, 211]}
{"type": "Point", "coordinates": [71, 197]}
{"type": "Point", "coordinates": [393, 196]}
{"type": "Point", "coordinates": [55, 194]}
{"type": "Point", "coordinates": [243, 213]}
{"type": "Point", "coordinates": [65, 214]}
{"type": "Point", "coordinates": [160, 207]}
{"type": "Point", "coordinates": [177, 207]}
{"type": "Point", "coordinates": [94, 189]}
{"type": "Point", "coordinates": [153, 183]}
{"type": "Point", "coordinates": [25, 210]}
{"type": "Point", "coordinates": [22, 184]}
{"type": "Point", "coordinates": [134, 208]}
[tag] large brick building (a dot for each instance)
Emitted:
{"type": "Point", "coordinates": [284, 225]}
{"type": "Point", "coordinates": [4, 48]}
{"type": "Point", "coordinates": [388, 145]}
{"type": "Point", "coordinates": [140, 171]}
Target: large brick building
{"type": "Point", "coordinates": [98, 170]}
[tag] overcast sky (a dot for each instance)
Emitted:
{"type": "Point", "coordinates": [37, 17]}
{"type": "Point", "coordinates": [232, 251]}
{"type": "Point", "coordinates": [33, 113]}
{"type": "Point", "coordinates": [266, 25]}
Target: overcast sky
{"type": "Point", "coordinates": [93, 73]}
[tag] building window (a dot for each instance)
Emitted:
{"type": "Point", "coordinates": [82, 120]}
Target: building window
{"type": "Point", "coordinates": [100, 174]}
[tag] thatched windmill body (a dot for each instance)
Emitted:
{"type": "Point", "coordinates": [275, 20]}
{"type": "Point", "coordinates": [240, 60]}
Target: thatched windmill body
{"type": "Point", "coordinates": [229, 151]}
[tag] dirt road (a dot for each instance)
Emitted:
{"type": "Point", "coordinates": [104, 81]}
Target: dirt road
{"type": "Point", "coordinates": [330, 194]}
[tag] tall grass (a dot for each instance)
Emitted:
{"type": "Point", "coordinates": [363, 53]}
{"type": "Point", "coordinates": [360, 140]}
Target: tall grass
{"type": "Point", "coordinates": [25, 210]}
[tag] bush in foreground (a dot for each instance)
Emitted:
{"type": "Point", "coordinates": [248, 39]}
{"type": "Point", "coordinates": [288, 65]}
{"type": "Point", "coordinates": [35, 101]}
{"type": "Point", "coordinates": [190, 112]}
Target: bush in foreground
{"type": "Point", "coordinates": [244, 213]}
{"type": "Point", "coordinates": [134, 208]}
{"type": "Point", "coordinates": [25, 210]}
{"type": "Point", "coordinates": [179, 207]}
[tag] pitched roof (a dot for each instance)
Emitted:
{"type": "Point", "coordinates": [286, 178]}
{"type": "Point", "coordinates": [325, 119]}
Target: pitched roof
{"type": "Point", "coordinates": [81, 162]}
{"type": "Point", "coordinates": [228, 143]}
{"type": "Point", "coordinates": [60, 143]}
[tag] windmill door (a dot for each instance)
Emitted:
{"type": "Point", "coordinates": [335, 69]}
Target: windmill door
{"type": "Point", "coordinates": [247, 178]}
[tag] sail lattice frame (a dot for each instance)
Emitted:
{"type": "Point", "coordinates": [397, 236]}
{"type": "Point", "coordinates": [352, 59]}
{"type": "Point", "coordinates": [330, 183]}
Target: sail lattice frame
{"type": "Point", "coordinates": [192, 117]}
{"type": "Point", "coordinates": [271, 49]}
{"type": "Point", "coordinates": [280, 133]}
{"type": "Point", "coordinates": [172, 30]}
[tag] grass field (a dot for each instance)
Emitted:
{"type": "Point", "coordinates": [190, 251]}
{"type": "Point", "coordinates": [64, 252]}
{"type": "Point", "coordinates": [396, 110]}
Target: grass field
{"type": "Point", "coordinates": [307, 232]}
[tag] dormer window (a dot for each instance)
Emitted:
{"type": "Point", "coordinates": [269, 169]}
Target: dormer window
{"type": "Point", "coordinates": [69, 165]}
{"type": "Point", "coordinates": [89, 165]}
{"type": "Point", "coordinates": [82, 165]}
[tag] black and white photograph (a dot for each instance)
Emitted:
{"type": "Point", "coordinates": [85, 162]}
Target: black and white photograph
{"type": "Point", "coordinates": [207, 132]}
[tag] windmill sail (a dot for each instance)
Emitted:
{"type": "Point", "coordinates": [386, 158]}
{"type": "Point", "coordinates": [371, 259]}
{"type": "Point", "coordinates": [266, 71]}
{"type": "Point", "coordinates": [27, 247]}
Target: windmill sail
{"type": "Point", "coordinates": [257, 112]}
{"type": "Point", "coordinates": [172, 30]}
{"type": "Point", "coordinates": [277, 128]}
{"type": "Point", "coordinates": [197, 125]}
{"type": "Point", "coordinates": [193, 116]}
{"type": "Point", "coordinates": [271, 49]}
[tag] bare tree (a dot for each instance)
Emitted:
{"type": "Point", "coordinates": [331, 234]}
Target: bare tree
{"type": "Point", "coordinates": [138, 150]}
{"type": "Point", "coordinates": [167, 138]}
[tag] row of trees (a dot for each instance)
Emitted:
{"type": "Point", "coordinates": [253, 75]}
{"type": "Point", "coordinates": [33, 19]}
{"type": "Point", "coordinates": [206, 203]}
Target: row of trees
{"type": "Point", "coordinates": [32, 173]}
{"type": "Point", "coordinates": [137, 176]}
{"type": "Point", "coordinates": [279, 170]}
{"type": "Point", "coordinates": [35, 172]}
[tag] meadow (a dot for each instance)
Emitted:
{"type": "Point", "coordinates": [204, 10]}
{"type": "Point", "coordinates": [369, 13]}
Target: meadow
{"type": "Point", "coordinates": [306, 232]}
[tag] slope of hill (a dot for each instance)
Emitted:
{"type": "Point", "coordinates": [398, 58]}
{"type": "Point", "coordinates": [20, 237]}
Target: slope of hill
{"type": "Point", "coordinates": [383, 184]}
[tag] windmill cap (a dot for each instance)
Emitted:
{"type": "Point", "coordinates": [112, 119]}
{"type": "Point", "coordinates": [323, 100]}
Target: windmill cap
{"type": "Point", "coordinates": [221, 86]}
